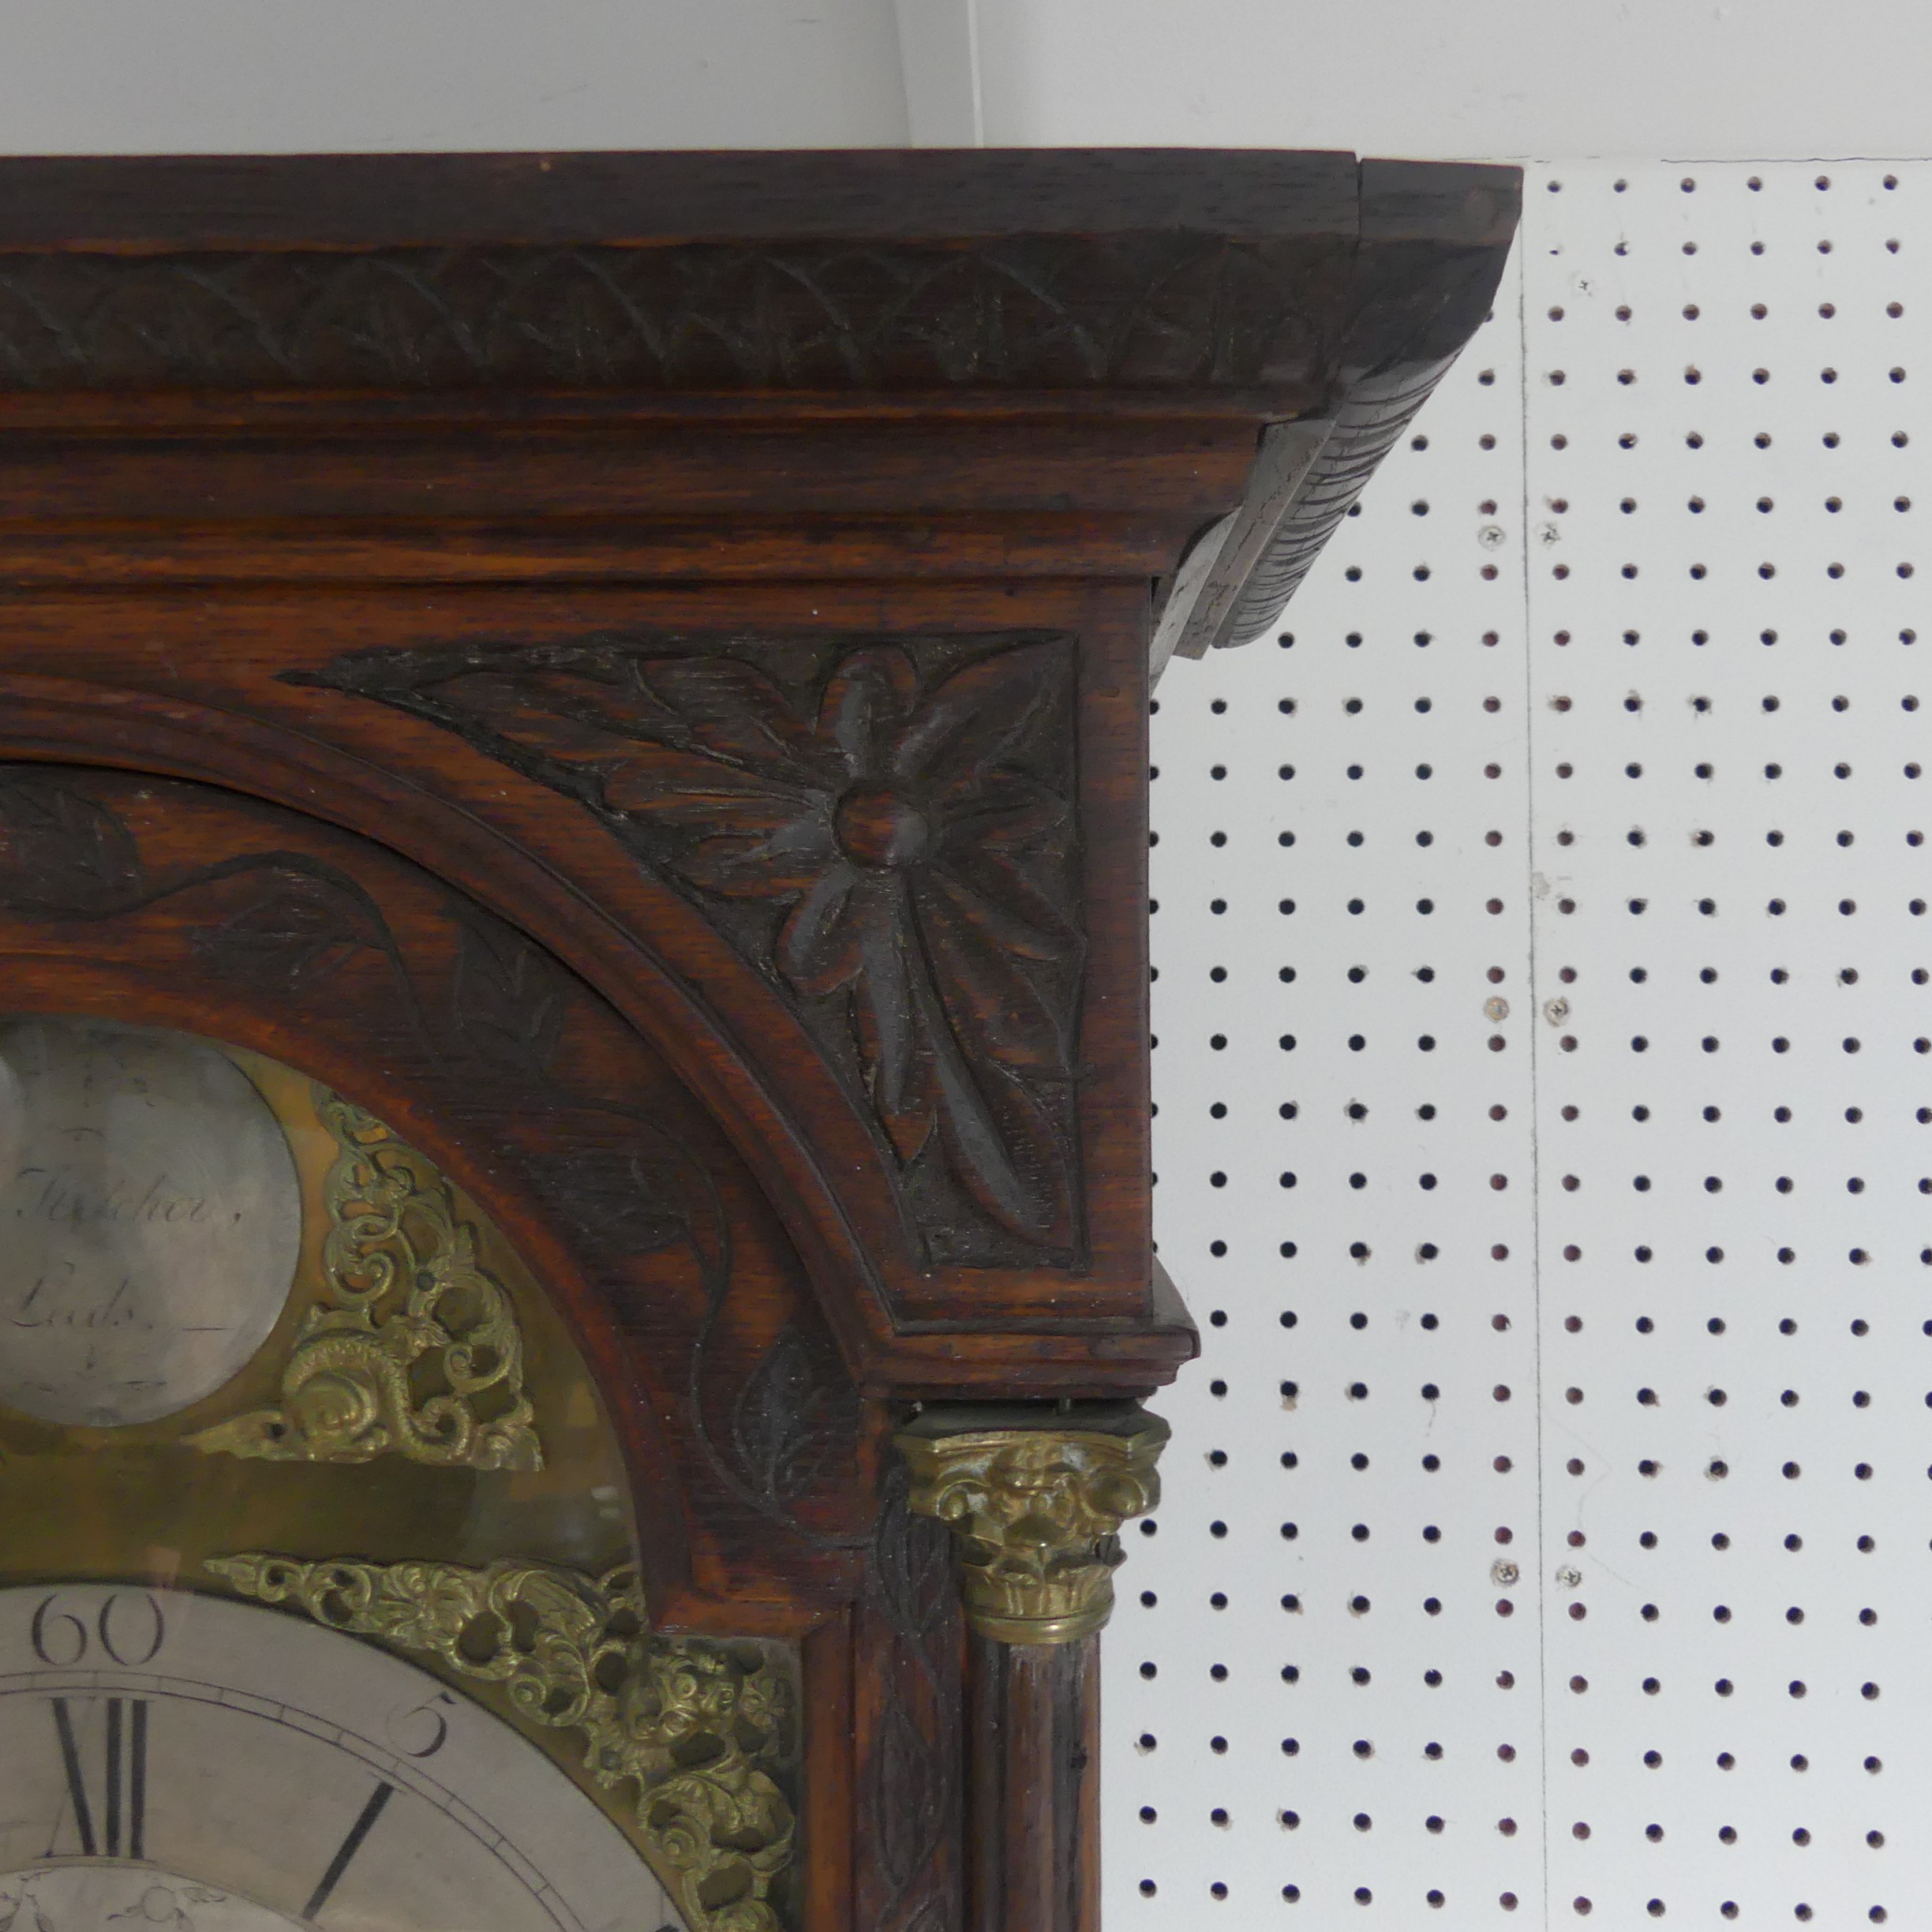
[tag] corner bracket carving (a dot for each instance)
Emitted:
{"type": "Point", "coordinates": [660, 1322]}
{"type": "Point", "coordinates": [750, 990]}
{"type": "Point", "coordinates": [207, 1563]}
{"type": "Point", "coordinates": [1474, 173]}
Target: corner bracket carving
{"type": "Point", "coordinates": [1034, 1498]}
{"type": "Point", "coordinates": [885, 828]}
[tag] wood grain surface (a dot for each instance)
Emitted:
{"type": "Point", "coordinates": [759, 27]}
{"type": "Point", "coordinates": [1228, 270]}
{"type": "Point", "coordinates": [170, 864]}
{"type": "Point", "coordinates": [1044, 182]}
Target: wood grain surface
{"type": "Point", "coordinates": [634, 668]}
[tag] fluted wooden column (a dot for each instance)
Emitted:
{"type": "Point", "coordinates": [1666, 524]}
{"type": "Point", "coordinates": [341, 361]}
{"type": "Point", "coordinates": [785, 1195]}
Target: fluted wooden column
{"type": "Point", "coordinates": [1035, 1495]}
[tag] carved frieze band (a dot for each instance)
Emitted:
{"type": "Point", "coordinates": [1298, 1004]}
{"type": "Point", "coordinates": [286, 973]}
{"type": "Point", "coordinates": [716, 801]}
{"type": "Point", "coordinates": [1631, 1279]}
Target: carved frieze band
{"type": "Point", "coordinates": [886, 828]}
{"type": "Point", "coordinates": [704, 1732]}
{"type": "Point", "coordinates": [1134, 311]}
{"type": "Point", "coordinates": [1035, 1508]}
{"type": "Point", "coordinates": [415, 1349]}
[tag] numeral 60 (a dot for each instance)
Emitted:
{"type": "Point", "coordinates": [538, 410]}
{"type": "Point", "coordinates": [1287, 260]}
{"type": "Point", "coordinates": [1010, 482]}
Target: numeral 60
{"type": "Point", "coordinates": [62, 1639]}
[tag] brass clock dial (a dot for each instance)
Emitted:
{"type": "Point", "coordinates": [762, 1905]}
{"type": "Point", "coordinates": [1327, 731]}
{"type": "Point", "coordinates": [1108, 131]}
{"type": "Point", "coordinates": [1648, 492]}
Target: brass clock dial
{"type": "Point", "coordinates": [236, 1308]}
{"type": "Point", "coordinates": [238, 1313]}
{"type": "Point", "coordinates": [210, 1766]}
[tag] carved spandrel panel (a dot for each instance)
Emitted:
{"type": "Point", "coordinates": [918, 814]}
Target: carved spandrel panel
{"type": "Point", "coordinates": [886, 828]}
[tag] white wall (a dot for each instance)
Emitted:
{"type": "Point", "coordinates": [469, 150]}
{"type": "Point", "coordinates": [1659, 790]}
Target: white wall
{"type": "Point", "coordinates": [134, 76]}
{"type": "Point", "coordinates": [1556, 1357]}
{"type": "Point", "coordinates": [1711, 78]}
{"type": "Point", "coordinates": [1497, 79]}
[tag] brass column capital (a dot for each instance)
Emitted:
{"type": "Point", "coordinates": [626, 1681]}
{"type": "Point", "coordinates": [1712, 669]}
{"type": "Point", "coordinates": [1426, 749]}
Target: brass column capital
{"type": "Point", "coordinates": [1035, 1497]}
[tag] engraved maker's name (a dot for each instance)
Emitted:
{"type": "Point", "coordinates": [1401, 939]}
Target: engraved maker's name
{"type": "Point", "coordinates": [48, 1194]}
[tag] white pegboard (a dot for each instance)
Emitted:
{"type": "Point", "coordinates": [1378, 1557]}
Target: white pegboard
{"type": "Point", "coordinates": [1545, 1526]}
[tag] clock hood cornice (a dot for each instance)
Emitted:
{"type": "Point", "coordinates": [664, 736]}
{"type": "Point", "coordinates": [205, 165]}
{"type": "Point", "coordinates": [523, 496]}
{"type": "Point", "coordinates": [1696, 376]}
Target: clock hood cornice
{"type": "Point", "coordinates": [737, 571]}
{"type": "Point", "coordinates": [633, 669]}
{"type": "Point", "coordinates": [588, 291]}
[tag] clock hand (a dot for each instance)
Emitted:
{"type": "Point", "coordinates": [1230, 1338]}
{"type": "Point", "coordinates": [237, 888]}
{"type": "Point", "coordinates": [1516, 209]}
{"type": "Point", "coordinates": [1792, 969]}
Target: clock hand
{"type": "Point", "coordinates": [348, 1848]}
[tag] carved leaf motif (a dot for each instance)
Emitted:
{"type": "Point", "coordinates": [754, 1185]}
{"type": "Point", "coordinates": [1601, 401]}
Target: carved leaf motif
{"type": "Point", "coordinates": [291, 921]}
{"type": "Point", "coordinates": [615, 1198]}
{"type": "Point", "coordinates": [62, 854]}
{"type": "Point", "coordinates": [507, 1005]}
{"type": "Point", "coordinates": [888, 832]}
{"type": "Point", "coordinates": [290, 939]}
{"type": "Point", "coordinates": [906, 1786]}
{"type": "Point", "coordinates": [910, 1789]}
{"type": "Point", "coordinates": [999, 1140]}
{"type": "Point", "coordinates": [794, 1410]}
{"type": "Point", "coordinates": [294, 928]}
{"type": "Point", "coordinates": [1153, 310]}
{"type": "Point", "coordinates": [913, 1564]}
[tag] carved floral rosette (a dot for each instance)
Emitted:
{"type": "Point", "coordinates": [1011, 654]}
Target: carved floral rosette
{"type": "Point", "coordinates": [1036, 1513]}
{"type": "Point", "coordinates": [886, 828]}
{"type": "Point", "coordinates": [703, 1730]}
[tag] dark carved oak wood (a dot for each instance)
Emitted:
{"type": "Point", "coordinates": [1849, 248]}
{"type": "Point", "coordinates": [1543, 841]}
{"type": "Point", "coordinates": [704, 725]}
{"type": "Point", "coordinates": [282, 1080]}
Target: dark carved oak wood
{"type": "Point", "coordinates": [185, 905]}
{"type": "Point", "coordinates": [634, 668]}
{"type": "Point", "coordinates": [934, 950]}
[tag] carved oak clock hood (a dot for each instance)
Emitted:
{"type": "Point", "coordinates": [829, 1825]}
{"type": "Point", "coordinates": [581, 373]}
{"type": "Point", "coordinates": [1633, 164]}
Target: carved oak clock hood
{"type": "Point", "coordinates": [573, 1051]}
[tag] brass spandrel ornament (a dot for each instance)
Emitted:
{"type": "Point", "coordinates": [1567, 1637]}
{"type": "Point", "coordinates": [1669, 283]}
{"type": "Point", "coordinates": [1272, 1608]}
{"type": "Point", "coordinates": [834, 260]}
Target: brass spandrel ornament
{"type": "Point", "coordinates": [703, 1731]}
{"type": "Point", "coordinates": [197, 1762]}
{"type": "Point", "coordinates": [412, 1348]}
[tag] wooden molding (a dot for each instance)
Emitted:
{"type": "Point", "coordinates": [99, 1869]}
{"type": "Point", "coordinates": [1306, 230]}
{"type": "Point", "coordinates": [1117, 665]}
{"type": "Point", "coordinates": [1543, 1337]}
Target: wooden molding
{"type": "Point", "coordinates": [635, 670]}
{"type": "Point", "coordinates": [1138, 312]}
